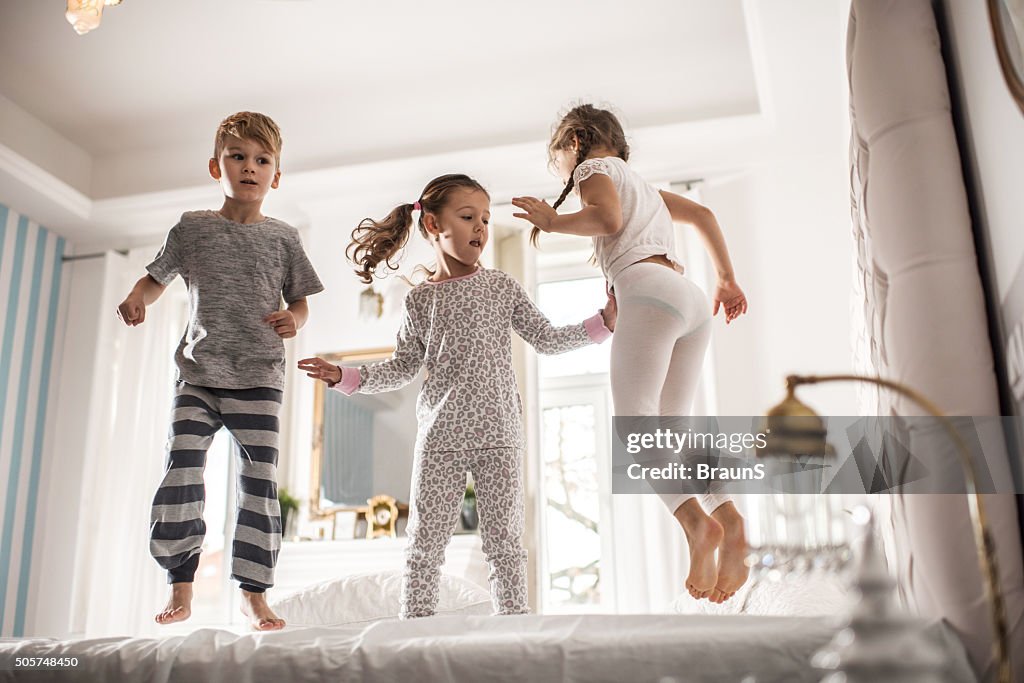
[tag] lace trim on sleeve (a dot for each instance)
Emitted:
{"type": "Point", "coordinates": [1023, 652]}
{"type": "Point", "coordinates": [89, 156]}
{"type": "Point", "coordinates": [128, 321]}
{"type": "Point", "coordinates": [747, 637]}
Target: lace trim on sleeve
{"type": "Point", "coordinates": [589, 168]}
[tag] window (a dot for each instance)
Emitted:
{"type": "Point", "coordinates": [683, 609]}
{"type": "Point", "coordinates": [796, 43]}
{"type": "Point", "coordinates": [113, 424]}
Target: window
{"type": "Point", "coordinates": [575, 493]}
{"type": "Point", "coordinates": [568, 302]}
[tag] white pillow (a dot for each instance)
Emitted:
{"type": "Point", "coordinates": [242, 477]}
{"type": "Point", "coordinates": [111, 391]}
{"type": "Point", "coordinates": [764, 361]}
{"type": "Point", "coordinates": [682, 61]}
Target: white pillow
{"type": "Point", "coordinates": [817, 594]}
{"type": "Point", "coordinates": [373, 596]}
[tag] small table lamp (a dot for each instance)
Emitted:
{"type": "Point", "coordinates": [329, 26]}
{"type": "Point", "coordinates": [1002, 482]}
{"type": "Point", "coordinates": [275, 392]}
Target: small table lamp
{"type": "Point", "coordinates": [793, 428]}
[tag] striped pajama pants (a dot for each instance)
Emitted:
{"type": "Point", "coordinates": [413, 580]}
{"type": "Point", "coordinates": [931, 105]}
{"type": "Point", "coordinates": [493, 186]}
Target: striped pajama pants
{"type": "Point", "coordinates": [176, 524]}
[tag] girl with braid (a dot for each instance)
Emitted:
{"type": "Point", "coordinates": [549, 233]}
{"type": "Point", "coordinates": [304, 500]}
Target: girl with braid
{"type": "Point", "coordinates": [665, 322]}
{"type": "Point", "coordinates": [457, 325]}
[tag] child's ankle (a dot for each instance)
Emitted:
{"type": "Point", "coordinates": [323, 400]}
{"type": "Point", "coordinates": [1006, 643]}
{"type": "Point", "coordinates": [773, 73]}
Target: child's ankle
{"type": "Point", "coordinates": [728, 515]}
{"type": "Point", "coordinates": [690, 513]}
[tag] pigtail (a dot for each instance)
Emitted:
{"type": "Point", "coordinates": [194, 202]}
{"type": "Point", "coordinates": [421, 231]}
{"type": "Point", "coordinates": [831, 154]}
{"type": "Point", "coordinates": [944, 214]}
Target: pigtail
{"type": "Point", "coordinates": [377, 241]}
{"type": "Point", "coordinates": [374, 242]}
{"type": "Point", "coordinates": [585, 140]}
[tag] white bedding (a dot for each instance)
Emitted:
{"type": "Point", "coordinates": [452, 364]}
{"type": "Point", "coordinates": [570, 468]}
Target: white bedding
{"type": "Point", "coordinates": [691, 648]}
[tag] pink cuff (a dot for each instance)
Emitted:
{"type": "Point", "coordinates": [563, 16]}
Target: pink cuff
{"type": "Point", "coordinates": [350, 380]}
{"type": "Point", "coordinates": [596, 329]}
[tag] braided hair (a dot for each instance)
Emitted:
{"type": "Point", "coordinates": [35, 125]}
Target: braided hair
{"type": "Point", "coordinates": [588, 127]}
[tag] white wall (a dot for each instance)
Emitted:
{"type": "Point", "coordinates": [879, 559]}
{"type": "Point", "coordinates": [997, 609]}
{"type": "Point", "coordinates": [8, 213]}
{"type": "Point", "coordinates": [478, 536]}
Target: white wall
{"type": "Point", "coordinates": [786, 217]}
{"type": "Point", "coordinates": [790, 246]}
{"type": "Point", "coordinates": [27, 136]}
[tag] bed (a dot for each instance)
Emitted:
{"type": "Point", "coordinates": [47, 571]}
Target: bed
{"type": "Point", "coordinates": [344, 629]}
{"type": "Point", "coordinates": [692, 648]}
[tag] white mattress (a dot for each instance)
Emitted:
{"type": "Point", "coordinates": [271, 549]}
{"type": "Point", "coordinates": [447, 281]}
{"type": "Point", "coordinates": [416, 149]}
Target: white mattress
{"type": "Point", "coordinates": [463, 648]}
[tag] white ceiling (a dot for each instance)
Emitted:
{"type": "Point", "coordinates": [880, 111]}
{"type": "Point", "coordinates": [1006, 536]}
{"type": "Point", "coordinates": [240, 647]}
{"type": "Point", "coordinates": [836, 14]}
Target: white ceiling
{"type": "Point", "coordinates": [357, 82]}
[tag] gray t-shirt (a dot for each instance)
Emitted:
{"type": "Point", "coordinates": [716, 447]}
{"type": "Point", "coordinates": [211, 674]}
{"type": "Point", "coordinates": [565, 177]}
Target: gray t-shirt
{"type": "Point", "coordinates": [236, 275]}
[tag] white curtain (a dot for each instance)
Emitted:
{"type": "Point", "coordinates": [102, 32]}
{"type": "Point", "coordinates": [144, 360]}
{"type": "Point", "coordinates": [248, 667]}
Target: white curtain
{"type": "Point", "coordinates": [651, 557]}
{"type": "Point", "coordinates": [118, 587]}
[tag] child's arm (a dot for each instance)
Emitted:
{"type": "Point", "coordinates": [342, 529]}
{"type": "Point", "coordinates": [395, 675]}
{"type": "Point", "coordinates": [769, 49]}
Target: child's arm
{"type": "Point", "coordinates": [394, 373]}
{"type": "Point", "coordinates": [288, 322]}
{"type": "Point", "coordinates": [318, 368]}
{"type": "Point", "coordinates": [132, 310]}
{"type": "Point", "coordinates": [601, 213]}
{"type": "Point", "coordinates": [700, 217]}
{"type": "Point", "coordinates": [727, 292]}
{"type": "Point", "coordinates": [536, 330]}
{"type": "Point", "coordinates": [167, 265]}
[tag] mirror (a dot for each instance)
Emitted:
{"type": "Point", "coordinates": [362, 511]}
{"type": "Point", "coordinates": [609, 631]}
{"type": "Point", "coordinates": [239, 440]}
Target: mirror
{"type": "Point", "coordinates": [1007, 17]}
{"type": "Point", "coordinates": [362, 444]}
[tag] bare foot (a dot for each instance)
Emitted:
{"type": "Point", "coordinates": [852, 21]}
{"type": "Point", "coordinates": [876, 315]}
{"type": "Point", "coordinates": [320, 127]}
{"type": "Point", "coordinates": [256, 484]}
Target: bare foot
{"type": "Point", "coordinates": [703, 534]}
{"type": "Point", "coordinates": [261, 617]}
{"type": "Point", "coordinates": [732, 570]}
{"type": "Point", "coordinates": [179, 605]}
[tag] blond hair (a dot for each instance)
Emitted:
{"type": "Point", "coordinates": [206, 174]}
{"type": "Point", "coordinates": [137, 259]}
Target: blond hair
{"type": "Point", "coordinates": [249, 125]}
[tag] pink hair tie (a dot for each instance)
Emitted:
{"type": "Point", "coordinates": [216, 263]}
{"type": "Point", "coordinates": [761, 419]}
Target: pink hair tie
{"type": "Point", "coordinates": [416, 206]}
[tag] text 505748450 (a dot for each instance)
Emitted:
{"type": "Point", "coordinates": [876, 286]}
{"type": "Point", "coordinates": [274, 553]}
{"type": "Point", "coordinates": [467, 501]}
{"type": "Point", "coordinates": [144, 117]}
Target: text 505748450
{"type": "Point", "coordinates": [45, 662]}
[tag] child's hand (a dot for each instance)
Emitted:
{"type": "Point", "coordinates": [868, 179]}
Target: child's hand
{"type": "Point", "coordinates": [538, 211]}
{"type": "Point", "coordinates": [318, 368]}
{"type": "Point", "coordinates": [610, 312]}
{"type": "Point", "coordinates": [283, 323]}
{"type": "Point", "coordinates": [729, 294]}
{"type": "Point", "coordinates": [132, 310]}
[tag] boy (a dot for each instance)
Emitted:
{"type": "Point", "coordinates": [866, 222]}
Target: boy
{"type": "Point", "coordinates": [237, 264]}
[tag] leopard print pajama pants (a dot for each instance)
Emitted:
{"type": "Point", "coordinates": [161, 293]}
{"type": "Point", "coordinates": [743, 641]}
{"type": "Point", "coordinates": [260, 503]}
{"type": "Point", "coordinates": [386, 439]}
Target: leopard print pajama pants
{"type": "Point", "coordinates": [439, 484]}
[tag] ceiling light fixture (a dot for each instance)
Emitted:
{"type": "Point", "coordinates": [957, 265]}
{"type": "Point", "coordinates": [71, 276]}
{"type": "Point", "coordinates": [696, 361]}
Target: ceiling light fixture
{"type": "Point", "coordinates": [85, 15]}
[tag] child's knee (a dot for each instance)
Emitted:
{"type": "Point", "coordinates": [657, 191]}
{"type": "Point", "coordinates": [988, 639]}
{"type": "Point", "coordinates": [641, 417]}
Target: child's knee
{"type": "Point", "coordinates": [505, 551]}
{"type": "Point", "coordinates": [424, 556]}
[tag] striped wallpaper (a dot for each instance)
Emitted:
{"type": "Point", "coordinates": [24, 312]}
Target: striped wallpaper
{"type": "Point", "coordinates": [30, 270]}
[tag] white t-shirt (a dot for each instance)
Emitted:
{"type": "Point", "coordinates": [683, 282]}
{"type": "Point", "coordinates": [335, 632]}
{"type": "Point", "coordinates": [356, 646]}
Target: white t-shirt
{"type": "Point", "coordinates": [646, 223]}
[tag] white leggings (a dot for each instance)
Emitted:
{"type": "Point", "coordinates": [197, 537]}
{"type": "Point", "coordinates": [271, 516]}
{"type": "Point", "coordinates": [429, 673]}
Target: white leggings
{"type": "Point", "coordinates": [662, 332]}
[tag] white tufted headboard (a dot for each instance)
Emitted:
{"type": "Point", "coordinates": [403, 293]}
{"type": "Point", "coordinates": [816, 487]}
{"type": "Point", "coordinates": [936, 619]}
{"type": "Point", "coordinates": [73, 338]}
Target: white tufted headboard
{"type": "Point", "coordinates": [922, 306]}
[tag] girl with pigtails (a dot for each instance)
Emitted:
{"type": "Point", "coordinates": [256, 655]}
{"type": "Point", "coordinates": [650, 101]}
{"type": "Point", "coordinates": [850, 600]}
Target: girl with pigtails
{"type": "Point", "coordinates": [457, 325]}
{"type": "Point", "coordinates": [664, 323]}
